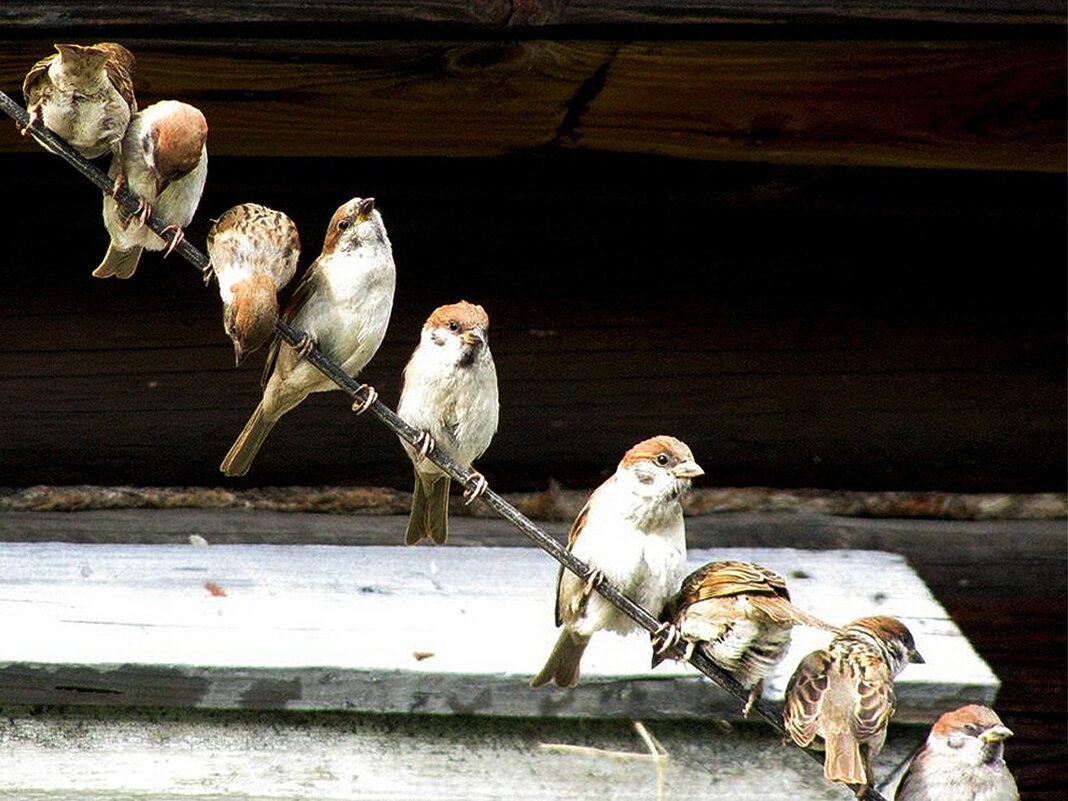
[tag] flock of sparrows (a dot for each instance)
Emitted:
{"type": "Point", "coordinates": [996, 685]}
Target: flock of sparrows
{"type": "Point", "coordinates": [631, 531]}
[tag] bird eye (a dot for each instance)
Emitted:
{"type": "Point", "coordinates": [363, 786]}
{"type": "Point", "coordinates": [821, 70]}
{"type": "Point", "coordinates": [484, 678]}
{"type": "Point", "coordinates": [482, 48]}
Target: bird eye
{"type": "Point", "coordinates": [454, 326]}
{"type": "Point", "coordinates": [343, 224]}
{"type": "Point", "coordinates": [971, 728]}
{"type": "Point", "coordinates": [662, 459]}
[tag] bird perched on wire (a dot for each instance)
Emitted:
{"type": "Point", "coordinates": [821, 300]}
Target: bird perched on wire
{"type": "Point", "coordinates": [841, 698]}
{"type": "Point", "coordinates": [342, 304]}
{"type": "Point", "coordinates": [740, 616]}
{"type": "Point", "coordinates": [164, 160]}
{"type": "Point", "coordinates": [962, 760]}
{"type": "Point", "coordinates": [450, 394]}
{"type": "Point", "coordinates": [83, 93]}
{"type": "Point", "coordinates": [631, 532]}
{"type": "Point", "coordinates": [253, 252]}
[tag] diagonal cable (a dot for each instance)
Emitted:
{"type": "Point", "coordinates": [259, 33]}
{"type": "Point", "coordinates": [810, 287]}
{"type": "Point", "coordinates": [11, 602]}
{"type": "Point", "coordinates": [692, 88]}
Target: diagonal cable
{"type": "Point", "coordinates": [359, 393]}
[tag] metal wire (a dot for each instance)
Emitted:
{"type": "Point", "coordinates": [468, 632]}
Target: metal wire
{"type": "Point", "coordinates": [130, 202]}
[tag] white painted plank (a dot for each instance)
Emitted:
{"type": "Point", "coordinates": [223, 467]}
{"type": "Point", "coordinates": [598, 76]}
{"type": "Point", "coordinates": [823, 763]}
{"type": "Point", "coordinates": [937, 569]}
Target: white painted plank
{"type": "Point", "coordinates": [395, 629]}
{"type": "Point", "coordinates": [81, 754]}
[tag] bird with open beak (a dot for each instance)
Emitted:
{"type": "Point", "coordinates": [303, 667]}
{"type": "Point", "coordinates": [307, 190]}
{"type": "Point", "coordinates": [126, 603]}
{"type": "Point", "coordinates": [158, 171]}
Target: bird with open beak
{"type": "Point", "coordinates": [342, 305]}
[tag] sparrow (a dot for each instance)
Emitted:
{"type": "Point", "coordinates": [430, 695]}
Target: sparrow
{"type": "Point", "coordinates": [342, 304]}
{"type": "Point", "coordinates": [739, 614]}
{"type": "Point", "coordinates": [841, 698]}
{"type": "Point", "coordinates": [450, 394]}
{"type": "Point", "coordinates": [252, 252]}
{"type": "Point", "coordinates": [631, 532]}
{"type": "Point", "coordinates": [83, 93]}
{"type": "Point", "coordinates": [164, 159]}
{"type": "Point", "coordinates": [962, 760]}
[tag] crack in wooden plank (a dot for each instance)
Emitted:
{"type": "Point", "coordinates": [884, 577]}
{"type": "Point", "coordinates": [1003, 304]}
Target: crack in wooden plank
{"type": "Point", "coordinates": [580, 102]}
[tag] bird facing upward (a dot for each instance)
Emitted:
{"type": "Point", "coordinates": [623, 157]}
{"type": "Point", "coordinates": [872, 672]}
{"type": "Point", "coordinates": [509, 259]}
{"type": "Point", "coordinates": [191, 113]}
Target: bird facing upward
{"type": "Point", "coordinates": [342, 305]}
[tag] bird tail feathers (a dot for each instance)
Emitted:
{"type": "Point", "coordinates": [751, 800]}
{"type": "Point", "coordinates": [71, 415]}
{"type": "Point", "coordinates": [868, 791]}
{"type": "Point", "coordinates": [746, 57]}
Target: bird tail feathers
{"type": "Point", "coordinates": [562, 666]}
{"type": "Point", "coordinates": [843, 762]}
{"type": "Point", "coordinates": [429, 517]}
{"type": "Point", "coordinates": [239, 458]}
{"type": "Point", "coordinates": [118, 263]}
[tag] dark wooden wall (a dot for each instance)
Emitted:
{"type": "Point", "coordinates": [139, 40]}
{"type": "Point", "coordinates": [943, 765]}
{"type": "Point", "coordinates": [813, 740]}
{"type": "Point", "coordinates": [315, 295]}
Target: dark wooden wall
{"type": "Point", "coordinates": [824, 251]}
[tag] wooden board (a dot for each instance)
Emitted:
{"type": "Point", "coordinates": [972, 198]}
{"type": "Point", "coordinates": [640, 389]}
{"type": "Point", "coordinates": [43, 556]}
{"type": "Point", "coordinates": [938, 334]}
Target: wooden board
{"type": "Point", "coordinates": [810, 327]}
{"type": "Point", "coordinates": [496, 13]}
{"type": "Point", "coordinates": [941, 104]}
{"type": "Point", "coordinates": [89, 753]}
{"type": "Point", "coordinates": [381, 629]}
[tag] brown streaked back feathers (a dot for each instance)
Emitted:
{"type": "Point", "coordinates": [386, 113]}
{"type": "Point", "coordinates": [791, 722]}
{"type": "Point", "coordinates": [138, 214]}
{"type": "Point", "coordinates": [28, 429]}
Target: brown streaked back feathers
{"type": "Point", "coordinates": [114, 58]}
{"type": "Point", "coordinates": [765, 589]}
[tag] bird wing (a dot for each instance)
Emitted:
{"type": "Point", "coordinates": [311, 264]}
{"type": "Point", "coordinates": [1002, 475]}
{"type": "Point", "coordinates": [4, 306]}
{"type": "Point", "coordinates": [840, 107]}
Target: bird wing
{"type": "Point", "coordinates": [309, 282]}
{"type": "Point", "coordinates": [572, 534]}
{"type": "Point", "coordinates": [874, 700]}
{"type": "Point", "coordinates": [804, 697]}
{"type": "Point", "coordinates": [721, 579]}
{"type": "Point", "coordinates": [32, 84]}
{"type": "Point", "coordinates": [764, 589]}
{"type": "Point", "coordinates": [120, 69]}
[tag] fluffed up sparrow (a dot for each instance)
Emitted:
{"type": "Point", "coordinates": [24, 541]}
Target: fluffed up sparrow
{"type": "Point", "coordinates": [631, 532]}
{"type": "Point", "coordinates": [83, 93]}
{"type": "Point", "coordinates": [740, 616]}
{"type": "Point", "coordinates": [841, 698]}
{"type": "Point", "coordinates": [164, 160]}
{"type": "Point", "coordinates": [450, 394]}
{"type": "Point", "coordinates": [342, 304]}
{"type": "Point", "coordinates": [962, 760]}
{"type": "Point", "coordinates": [253, 252]}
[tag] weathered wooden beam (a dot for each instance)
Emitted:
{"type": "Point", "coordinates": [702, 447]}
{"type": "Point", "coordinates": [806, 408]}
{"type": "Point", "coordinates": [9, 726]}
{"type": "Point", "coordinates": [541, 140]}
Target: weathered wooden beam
{"type": "Point", "coordinates": [381, 629]}
{"type": "Point", "coordinates": [970, 105]}
{"type": "Point", "coordinates": [80, 753]}
{"type": "Point", "coordinates": [813, 327]}
{"type": "Point", "coordinates": [518, 13]}
{"type": "Point", "coordinates": [934, 104]}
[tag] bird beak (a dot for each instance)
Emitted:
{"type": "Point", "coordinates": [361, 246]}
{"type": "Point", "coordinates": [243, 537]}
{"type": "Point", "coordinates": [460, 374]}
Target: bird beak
{"type": "Point", "coordinates": [995, 734]}
{"type": "Point", "coordinates": [476, 336]}
{"type": "Point", "coordinates": [916, 658]}
{"type": "Point", "coordinates": [688, 469]}
{"type": "Point", "coordinates": [364, 208]}
{"type": "Point", "coordinates": [238, 353]}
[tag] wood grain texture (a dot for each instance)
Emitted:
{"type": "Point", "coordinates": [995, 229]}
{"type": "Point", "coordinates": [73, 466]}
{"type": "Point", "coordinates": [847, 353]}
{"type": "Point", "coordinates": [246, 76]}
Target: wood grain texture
{"type": "Point", "coordinates": [806, 327]}
{"type": "Point", "coordinates": [79, 753]}
{"type": "Point", "coordinates": [384, 629]}
{"type": "Point", "coordinates": [934, 104]}
{"type": "Point", "coordinates": [965, 105]}
{"type": "Point", "coordinates": [992, 576]}
{"type": "Point", "coordinates": [518, 13]}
